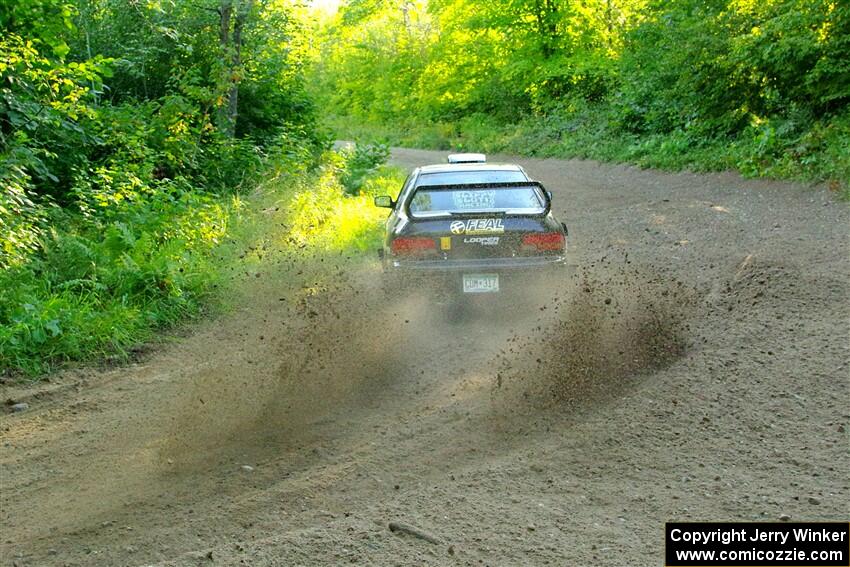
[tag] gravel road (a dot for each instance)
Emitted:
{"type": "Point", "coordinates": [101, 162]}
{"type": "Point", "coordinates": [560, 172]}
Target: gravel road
{"type": "Point", "coordinates": [694, 364]}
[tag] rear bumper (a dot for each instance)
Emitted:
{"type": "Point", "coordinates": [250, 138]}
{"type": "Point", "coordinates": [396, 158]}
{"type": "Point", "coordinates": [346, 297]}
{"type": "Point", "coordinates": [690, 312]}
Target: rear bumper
{"type": "Point", "coordinates": [444, 276]}
{"type": "Point", "coordinates": [497, 265]}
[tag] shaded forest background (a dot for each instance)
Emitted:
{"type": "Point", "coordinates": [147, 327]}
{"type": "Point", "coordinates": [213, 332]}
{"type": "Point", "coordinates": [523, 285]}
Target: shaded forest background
{"type": "Point", "coordinates": [130, 134]}
{"type": "Point", "coordinates": [141, 141]}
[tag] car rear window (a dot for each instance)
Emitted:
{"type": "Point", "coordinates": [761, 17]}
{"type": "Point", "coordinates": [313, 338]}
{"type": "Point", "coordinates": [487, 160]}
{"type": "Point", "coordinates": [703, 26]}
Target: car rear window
{"type": "Point", "coordinates": [439, 201]}
{"type": "Point", "coordinates": [475, 176]}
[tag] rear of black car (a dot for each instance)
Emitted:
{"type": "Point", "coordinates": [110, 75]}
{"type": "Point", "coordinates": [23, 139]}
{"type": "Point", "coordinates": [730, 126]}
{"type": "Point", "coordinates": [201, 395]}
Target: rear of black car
{"type": "Point", "coordinates": [475, 237]}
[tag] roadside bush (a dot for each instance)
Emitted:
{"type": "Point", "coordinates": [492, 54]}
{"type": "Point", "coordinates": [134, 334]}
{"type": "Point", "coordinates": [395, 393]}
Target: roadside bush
{"type": "Point", "coordinates": [325, 215]}
{"type": "Point", "coordinates": [21, 219]}
{"type": "Point", "coordinates": [360, 161]}
{"type": "Point", "coordinates": [94, 291]}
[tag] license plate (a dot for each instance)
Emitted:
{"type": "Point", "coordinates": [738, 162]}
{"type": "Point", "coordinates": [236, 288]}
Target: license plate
{"type": "Point", "coordinates": [480, 283]}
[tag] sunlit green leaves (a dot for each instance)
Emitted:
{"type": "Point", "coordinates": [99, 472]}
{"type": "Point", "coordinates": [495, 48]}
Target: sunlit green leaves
{"type": "Point", "coordinates": [710, 66]}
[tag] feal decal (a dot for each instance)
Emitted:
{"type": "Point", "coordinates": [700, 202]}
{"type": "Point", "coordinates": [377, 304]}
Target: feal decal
{"type": "Point", "coordinates": [478, 226]}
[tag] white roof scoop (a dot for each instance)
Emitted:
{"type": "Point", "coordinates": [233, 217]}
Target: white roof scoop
{"type": "Point", "coordinates": [467, 158]}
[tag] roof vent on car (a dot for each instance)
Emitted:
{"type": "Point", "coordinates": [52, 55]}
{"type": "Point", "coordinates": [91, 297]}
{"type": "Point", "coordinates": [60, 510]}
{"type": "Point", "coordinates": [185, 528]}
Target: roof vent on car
{"type": "Point", "coordinates": [467, 158]}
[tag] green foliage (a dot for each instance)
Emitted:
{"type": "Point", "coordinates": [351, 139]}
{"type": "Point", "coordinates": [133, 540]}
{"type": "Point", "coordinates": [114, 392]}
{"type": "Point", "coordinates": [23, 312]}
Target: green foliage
{"type": "Point", "coordinates": [442, 60]}
{"type": "Point", "coordinates": [762, 86]}
{"type": "Point", "coordinates": [325, 214]}
{"type": "Point", "coordinates": [119, 193]}
{"type": "Point", "coordinates": [92, 292]}
{"type": "Point", "coordinates": [360, 161]}
{"type": "Point", "coordinates": [43, 21]}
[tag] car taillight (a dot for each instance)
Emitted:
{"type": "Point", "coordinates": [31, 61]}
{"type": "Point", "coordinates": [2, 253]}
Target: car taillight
{"type": "Point", "coordinates": [406, 246]}
{"type": "Point", "coordinates": [542, 241]}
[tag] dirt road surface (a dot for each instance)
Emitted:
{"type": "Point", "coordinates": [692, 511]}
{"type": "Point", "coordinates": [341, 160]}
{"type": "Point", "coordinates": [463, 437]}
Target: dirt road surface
{"type": "Point", "coordinates": [692, 365]}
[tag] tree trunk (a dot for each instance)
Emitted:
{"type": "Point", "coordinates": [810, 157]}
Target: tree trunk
{"type": "Point", "coordinates": [546, 14]}
{"type": "Point", "coordinates": [235, 12]}
{"type": "Point", "coordinates": [236, 64]}
{"type": "Point", "coordinates": [225, 124]}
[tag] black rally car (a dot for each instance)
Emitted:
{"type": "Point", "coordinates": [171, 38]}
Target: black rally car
{"type": "Point", "coordinates": [473, 226]}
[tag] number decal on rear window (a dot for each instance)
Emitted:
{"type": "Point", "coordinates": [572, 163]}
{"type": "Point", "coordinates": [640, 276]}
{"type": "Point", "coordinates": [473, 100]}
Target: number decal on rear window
{"type": "Point", "coordinates": [465, 200]}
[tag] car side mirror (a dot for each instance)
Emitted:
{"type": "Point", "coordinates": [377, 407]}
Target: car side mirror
{"type": "Point", "coordinates": [549, 194]}
{"type": "Point", "coordinates": [384, 201]}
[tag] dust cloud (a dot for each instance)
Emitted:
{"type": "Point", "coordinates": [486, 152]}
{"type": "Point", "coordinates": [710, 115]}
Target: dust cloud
{"type": "Point", "coordinates": [563, 339]}
{"type": "Point", "coordinates": [612, 323]}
